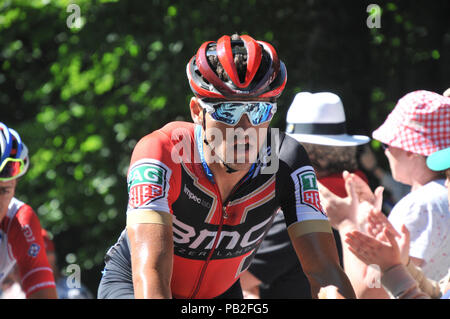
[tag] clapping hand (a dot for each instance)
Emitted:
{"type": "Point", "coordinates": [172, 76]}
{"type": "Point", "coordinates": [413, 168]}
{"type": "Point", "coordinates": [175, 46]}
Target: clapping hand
{"type": "Point", "coordinates": [385, 247]}
{"type": "Point", "coordinates": [352, 210]}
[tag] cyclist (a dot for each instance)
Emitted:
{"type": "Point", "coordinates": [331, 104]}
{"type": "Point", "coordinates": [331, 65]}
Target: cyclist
{"type": "Point", "coordinates": [203, 195]}
{"type": "Point", "coordinates": [21, 241]}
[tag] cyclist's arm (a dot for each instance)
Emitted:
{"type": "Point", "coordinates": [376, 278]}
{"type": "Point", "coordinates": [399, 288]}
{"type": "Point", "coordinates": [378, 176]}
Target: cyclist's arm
{"type": "Point", "coordinates": [319, 259]}
{"type": "Point", "coordinates": [28, 249]}
{"type": "Point", "coordinates": [151, 258]}
{"type": "Point", "coordinates": [153, 185]}
{"type": "Point", "coordinates": [308, 226]}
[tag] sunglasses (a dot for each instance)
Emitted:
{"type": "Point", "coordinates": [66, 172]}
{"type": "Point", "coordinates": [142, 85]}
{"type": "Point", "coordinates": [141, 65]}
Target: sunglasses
{"type": "Point", "coordinates": [231, 112]}
{"type": "Point", "coordinates": [11, 168]}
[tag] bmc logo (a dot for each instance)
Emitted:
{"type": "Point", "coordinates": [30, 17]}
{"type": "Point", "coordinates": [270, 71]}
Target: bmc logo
{"type": "Point", "coordinates": [204, 238]}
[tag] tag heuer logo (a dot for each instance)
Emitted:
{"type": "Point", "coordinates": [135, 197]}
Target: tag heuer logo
{"type": "Point", "coordinates": [309, 181]}
{"type": "Point", "coordinates": [146, 182]}
{"type": "Point", "coordinates": [310, 190]}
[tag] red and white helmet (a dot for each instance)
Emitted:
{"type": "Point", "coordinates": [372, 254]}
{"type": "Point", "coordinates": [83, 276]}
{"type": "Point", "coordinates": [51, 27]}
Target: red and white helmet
{"type": "Point", "coordinates": [265, 76]}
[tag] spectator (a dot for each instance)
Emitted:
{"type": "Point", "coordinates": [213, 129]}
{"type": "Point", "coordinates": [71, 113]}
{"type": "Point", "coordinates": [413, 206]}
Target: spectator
{"type": "Point", "coordinates": [393, 190]}
{"type": "Point", "coordinates": [418, 126]}
{"type": "Point", "coordinates": [318, 122]}
{"type": "Point", "coordinates": [390, 250]}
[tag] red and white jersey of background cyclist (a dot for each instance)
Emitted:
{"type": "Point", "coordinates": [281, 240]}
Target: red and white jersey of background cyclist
{"type": "Point", "coordinates": [21, 243]}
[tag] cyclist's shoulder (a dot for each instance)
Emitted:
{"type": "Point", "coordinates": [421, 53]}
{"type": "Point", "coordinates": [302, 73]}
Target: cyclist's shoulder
{"type": "Point", "coordinates": [21, 217]}
{"type": "Point", "coordinates": [168, 133]}
{"type": "Point", "coordinates": [21, 211]}
{"type": "Point", "coordinates": [292, 151]}
{"type": "Point", "coordinates": [22, 222]}
{"type": "Point", "coordinates": [15, 204]}
{"type": "Point", "coordinates": [171, 126]}
{"type": "Point", "coordinates": [16, 213]}
{"type": "Point", "coordinates": [162, 145]}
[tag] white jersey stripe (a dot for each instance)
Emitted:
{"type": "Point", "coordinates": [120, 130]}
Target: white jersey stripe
{"type": "Point", "coordinates": [36, 270]}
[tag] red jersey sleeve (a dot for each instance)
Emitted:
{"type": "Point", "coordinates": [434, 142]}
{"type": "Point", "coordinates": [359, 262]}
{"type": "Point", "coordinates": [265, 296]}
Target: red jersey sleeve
{"type": "Point", "coordinates": [27, 246]}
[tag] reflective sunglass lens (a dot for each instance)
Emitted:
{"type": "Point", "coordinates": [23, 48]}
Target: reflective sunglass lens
{"type": "Point", "coordinates": [231, 113]}
{"type": "Point", "coordinates": [11, 169]}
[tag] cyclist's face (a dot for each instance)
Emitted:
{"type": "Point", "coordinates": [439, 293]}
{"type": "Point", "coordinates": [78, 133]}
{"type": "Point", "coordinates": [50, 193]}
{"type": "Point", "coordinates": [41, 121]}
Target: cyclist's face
{"type": "Point", "coordinates": [237, 145]}
{"type": "Point", "coordinates": [7, 190]}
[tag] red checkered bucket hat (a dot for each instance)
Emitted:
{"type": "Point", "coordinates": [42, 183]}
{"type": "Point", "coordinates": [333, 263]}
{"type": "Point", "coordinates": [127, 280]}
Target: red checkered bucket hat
{"type": "Point", "coordinates": [419, 123]}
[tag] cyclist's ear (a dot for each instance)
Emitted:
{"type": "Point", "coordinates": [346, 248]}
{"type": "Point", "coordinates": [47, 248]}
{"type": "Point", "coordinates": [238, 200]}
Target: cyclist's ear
{"type": "Point", "coordinates": [196, 111]}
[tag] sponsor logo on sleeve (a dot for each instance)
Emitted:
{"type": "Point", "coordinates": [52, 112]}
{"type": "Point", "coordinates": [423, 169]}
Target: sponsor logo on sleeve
{"type": "Point", "coordinates": [28, 233]}
{"type": "Point", "coordinates": [309, 191]}
{"type": "Point", "coordinates": [34, 249]}
{"type": "Point", "coordinates": [146, 183]}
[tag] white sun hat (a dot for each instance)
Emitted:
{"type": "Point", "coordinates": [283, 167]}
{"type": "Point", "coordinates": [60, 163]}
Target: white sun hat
{"type": "Point", "coordinates": [319, 118]}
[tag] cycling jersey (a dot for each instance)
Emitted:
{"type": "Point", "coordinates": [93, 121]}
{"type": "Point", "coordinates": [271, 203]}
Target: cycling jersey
{"type": "Point", "coordinates": [216, 239]}
{"type": "Point", "coordinates": [21, 244]}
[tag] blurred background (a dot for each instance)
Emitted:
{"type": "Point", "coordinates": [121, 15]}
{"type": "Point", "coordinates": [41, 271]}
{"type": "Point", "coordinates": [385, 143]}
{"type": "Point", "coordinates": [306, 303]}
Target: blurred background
{"type": "Point", "coordinates": [82, 92]}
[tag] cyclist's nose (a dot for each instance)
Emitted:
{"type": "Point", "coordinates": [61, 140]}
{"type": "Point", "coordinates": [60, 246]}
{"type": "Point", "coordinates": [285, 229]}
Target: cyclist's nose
{"type": "Point", "coordinates": [244, 122]}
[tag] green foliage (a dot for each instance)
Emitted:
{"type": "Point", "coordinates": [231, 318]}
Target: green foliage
{"type": "Point", "coordinates": [81, 98]}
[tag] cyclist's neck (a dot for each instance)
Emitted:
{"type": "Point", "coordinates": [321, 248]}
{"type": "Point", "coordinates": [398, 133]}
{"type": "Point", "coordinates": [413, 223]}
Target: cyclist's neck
{"type": "Point", "coordinates": [226, 181]}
